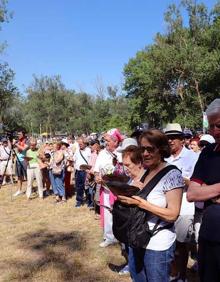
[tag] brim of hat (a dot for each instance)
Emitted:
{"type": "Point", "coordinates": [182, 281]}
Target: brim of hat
{"type": "Point", "coordinates": [174, 132]}
{"type": "Point", "coordinates": [120, 149]}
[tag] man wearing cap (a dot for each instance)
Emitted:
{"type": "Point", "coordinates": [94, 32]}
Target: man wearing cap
{"type": "Point", "coordinates": [205, 140]}
{"type": "Point", "coordinates": [187, 136]}
{"type": "Point", "coordinates": [105, 165]}
{"type": "Point", "coordinates": [185, 161]}
{"type": "Point", "coordinates": [5, 161]}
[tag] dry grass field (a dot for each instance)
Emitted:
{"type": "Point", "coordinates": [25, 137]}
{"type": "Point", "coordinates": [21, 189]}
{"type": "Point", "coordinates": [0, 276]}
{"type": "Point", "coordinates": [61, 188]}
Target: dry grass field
{"type": "Point", "coordinates": [42, 241]}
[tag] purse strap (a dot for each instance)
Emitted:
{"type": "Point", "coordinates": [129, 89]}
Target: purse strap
{"type": "Point", "coordinates": [83, 157]}
{"type": "Point", "coordinates": [148, 188]}
{"type": "Point", "coordinates": [153, 182]}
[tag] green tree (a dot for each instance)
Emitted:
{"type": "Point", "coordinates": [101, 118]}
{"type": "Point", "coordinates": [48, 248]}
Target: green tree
{"type": "Point", "coordinates": [9, 97]}
{"type": "Point", "coordinates": [5, 15]}
{"type": "Point", "coordinates": [174, 78]}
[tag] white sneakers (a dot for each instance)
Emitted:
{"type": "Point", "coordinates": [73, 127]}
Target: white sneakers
{"type": "Point", "coordinates": [17, 193]}
{"type": "Point", "coordinates": [106, 243]}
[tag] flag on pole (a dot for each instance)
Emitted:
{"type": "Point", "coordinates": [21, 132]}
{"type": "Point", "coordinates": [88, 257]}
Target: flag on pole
{"type": "Point", "coordinates": [205, 123]}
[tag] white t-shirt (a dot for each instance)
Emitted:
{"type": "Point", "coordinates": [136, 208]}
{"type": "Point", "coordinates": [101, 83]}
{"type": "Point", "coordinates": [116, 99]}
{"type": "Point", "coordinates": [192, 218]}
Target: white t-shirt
{"type": "Point", "coordinates": [79, 160]}
{"type": "Point", "coordinates": [104, 161]}
{"type": "Point", "coordinates": [4, 152]}
{"type": "Point", "coordinates": [164, 239]}
{"type": "Point", "coordinates": [185, 162]}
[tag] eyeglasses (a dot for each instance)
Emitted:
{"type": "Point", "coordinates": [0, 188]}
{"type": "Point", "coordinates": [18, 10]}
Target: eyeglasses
{"type": "Point", "coordinates": [212, 126]}
{"type": "Point", "coordinates": [149, 149]}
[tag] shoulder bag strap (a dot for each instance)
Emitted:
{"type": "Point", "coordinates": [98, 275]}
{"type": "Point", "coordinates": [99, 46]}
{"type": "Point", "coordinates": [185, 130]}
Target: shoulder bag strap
{"type": "Point", "coordinates": [149, 187]}
{"type": "Point", "coordinates": [153, 182]}
{"type": "Point", "coordinates": [9, 154]}
{"type": "Point", "coordinates": [83, 157]}
{"type": "Point", "coordinates": [144, 176]}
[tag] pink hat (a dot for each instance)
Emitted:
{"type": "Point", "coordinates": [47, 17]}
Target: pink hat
{"type": "Point", "coordinates": [115, 133]}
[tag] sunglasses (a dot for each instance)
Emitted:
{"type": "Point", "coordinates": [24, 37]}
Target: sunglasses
{"type": "Point", "coordinates": [149, 149]}
{"type": "Point", "coordinates": [212, 126]}
{"type": "Point", "coordinates": [174, 137]}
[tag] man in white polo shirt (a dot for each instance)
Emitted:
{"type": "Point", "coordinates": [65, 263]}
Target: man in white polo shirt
{"type": "Point", "coordinates": [185, 161]}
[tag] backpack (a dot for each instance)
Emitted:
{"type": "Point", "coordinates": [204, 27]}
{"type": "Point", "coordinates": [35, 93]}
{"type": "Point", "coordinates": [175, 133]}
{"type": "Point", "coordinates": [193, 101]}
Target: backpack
{"type": "Point", "coordinates": [130, 223]}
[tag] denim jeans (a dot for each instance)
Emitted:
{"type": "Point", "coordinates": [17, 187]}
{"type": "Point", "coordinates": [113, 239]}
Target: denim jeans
{"type": "Point", "coordinates": [90, 193]}
{"type": "Point", "coordinates": [80, 179]}
{"type": "Point", "coordinates": [51, 176]}
{"type": "Point", "coordinates": [156, 265]}
{"type": "Point", "coordinates": [59, 183]}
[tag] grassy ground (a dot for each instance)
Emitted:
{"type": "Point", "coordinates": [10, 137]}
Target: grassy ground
{"type": "Point", "coordinates": [42, 241]}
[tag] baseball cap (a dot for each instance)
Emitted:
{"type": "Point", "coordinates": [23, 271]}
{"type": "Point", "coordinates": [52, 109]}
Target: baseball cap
{"type": "Point", "coordinates": [207, 137]}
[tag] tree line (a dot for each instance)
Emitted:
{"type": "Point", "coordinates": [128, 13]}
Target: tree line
{"type": "Point", "coordinates": [171, 80]}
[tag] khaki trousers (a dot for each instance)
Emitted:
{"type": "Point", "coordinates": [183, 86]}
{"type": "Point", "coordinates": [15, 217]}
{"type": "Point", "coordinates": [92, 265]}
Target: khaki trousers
{"type": "Point", "coordinates": [32, 173]}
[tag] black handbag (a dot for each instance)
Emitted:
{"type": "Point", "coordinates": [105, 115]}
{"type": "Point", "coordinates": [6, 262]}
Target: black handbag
{"type": "Point", "coordinates": [130, 223]}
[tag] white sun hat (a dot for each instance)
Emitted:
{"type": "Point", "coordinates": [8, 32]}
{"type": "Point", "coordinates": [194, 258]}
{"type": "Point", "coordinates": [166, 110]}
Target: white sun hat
{"type": "Point", "coordinates": [127, 142]}
{"type": "Point", "coordinates": [207, 137]}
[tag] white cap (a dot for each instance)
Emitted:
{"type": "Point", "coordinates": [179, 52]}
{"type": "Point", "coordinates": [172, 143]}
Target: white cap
{"type": "Point", "coordinates": [207, 137]}
{"type": "Point", "coordinates": [65, 141]}
{"type": "Point", "coordinates": [127, 142]}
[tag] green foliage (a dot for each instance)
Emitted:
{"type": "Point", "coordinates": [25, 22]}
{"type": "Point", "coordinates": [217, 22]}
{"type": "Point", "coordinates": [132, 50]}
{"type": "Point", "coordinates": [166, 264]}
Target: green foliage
{"type": "Point", "coordinates": [49, 106]}
{"type": "Point", "coordinates": [9, 98]}
{"type": "Point", "coordinates": [177, 76]}
{"type": "Point", "coordinates": [5, 16]}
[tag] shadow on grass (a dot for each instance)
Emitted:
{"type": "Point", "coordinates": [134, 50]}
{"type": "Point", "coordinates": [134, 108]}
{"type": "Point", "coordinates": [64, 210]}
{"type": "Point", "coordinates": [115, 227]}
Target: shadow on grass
{"type": "Point", "coordinates": [52, 255]}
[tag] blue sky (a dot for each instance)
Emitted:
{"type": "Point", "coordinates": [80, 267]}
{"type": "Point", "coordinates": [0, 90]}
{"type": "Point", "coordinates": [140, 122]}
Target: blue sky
{"type": "Point", "coordinates": [84, 41]}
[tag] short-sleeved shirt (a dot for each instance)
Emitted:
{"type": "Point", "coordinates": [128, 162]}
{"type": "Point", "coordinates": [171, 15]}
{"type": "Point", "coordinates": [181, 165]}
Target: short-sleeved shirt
{"type": "Point", "coordinates": [81, 156]}
{"type": "Point", "coordinates": [207, 170]}
{"type": "Point", "coordinates": [34, 157]}
{"type": "Point", "coordinates": [5, 153]}
{"type": "Point", "coordinates": [185, 162]}
{"type": "Point", "coordinates": [164, 239]}
{"type": "Point", "coordinates": [104, 161]}
{"type": "Point", "coordinates": [22, 153]}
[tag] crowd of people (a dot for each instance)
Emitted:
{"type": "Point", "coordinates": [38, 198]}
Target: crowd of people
{"type": "Point", "coordinates": [173, 215]}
